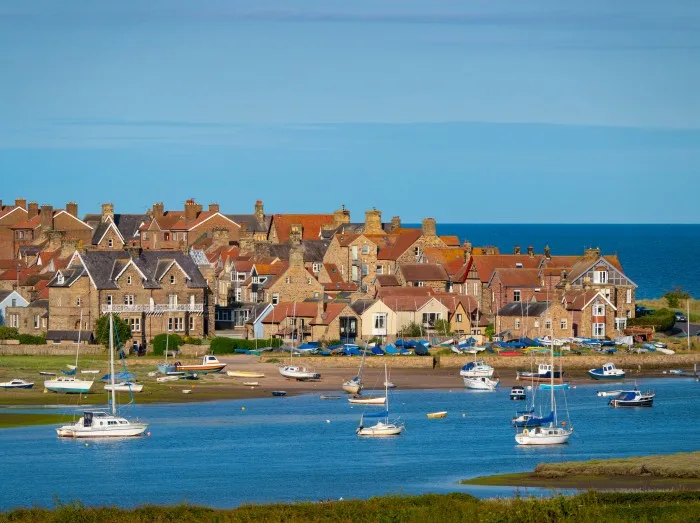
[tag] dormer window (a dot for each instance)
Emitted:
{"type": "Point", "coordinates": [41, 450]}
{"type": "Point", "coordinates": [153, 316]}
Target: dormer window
{"type": "Point", "coordinates": [172, 280]}
{"type": "Point", "coordinates": [60, 279]}
{"type": "Point", "coordinates": [518, 265]}
{"type": "Point", "coordinates": [600, 276]}
{"type": "Point", "coordinates": [286, 280]}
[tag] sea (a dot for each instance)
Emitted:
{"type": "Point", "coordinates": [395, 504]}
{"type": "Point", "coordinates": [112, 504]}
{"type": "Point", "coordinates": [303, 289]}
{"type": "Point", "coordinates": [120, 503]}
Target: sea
{"type": "Point", "coordinates": [227, 453]}
{"type": "Point", "coordinates": [657, 258]}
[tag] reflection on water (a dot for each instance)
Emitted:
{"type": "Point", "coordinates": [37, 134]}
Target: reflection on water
{"type": "Point", "coordinates": [292, 448]}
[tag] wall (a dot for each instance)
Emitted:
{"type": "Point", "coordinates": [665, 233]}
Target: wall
{"type": "Point", "coordinates": [50, 350]}
{"type": "Point", "coordinates": [622, 361]}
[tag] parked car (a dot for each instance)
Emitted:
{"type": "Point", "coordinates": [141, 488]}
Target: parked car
{"type": "Point", "coordinates": [641, 310]}
{"type": "Point", "coordinates": [679, 316]}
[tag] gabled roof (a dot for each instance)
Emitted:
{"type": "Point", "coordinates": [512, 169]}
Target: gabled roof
{"type": "Point", "coordinates": [288, 309]}
{"type": "Point", "coordinates": [517, 277]}
{"type": "Point", "coordinates": [469, 303]}
{"type": "Point", "coordinates": [406, 303]}
{"type": "Point", "coordinates": [314, 250]}
{"type": "Point", "coordinates": [450, 241]}
{"type": "Point", "coordinates": [311, 225]}
{"type": "Point", "coordinates": [333, 310]}
{"type": "Point", "coordinates": [403, 241]}
{"type": "Point", "coordinates": [487, 263]}
{"type": "Point", "coordinates": [6, 294]}
{"type": "Point", "coordinates": [102, 229]}
{"type": "Point", "coordinates": [30, 223]}
{"type": "Point", "coordinates": [128, 224]}
{"type": "Point", "coordinates": [6, 211]}
{"type": "Point", "coordinates": [423, 272]}
{"type": "Point", "coordinates": [69, 276]}
{"type": "Point", "coordinates": [208, 215]}
{"type": "Point", "coordinates": [360, 306]}
{"type": "Point", "coordinates": [524, 308]}
{"type": "Point", "coordinates": [585, 264]}
{"type": "Point", "coordinates": [452, 258]}
{"type": "Point", "coordinates": [63, 211]}
{"type": "Point", "coordinates": [578, 300]}
{"type": "Point", "coordinates": [388, 280]}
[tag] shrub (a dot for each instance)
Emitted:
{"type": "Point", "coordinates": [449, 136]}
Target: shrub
{"type": "Point", "coordinates": [442, 326]}
{"type": "Point", "coordinates": [121, 329]}
{"type": "Point", "coordinates": [221, 345]}
{"type": "Point", "coordinates": [489, 331]}
{"type": "Point", "coordinates": [193, 341]}
{"type": "Point", "coordinates": [173, 341]}
{"type": "Point", "coordinates": [662, 320]}
{"type": "Point", "coordinates": [8, 333]}
{"type": "Point", "coordinates": [675, 296]}
{"type": "Point", "coordinates": [28, 339]}
{"type": "Point", "coordinates": [411, 330]}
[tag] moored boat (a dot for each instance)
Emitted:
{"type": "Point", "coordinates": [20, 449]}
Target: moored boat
{"type": "Point", "coordinates": [633, 398]}
{"type": "Point", "coordinates": [125, 386]}
{"type": "Point", "coordinates": [279, 393]}
{"type": "Point", "coordinates": [367, 400]}
{"type": "Point", "coordinates": [209, 364]}
{"type": "Point", "coordinates": [481, 383]}
{"type": "Point", "coordinates": [68, 385]}
{"type": "Point", "coordinates": [545, 372]}
{"type": "Point", "coordinates": [244, 374]}
{"type": "Point", "coordinates": [608, 372]}
{"type": "Point", "coordinates": [383, 428]}
{"type": "Point", "coordinates": [434, 415]}
{"type": "Point", "coordinates": [517, 393]}
{"type": "Point", "coordinates": [17, 384]}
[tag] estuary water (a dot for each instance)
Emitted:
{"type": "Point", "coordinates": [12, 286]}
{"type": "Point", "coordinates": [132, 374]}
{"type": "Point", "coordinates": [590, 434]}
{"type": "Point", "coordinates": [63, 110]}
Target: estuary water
{"type": "Point", "coordinates": [304, 448]}
{"type": "Point", "coordinates": [656, 257]}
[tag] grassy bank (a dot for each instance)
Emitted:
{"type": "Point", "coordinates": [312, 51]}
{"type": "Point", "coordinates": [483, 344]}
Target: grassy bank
{"type": "Point", "coordinates": [599, 507]}
{"type": "Point", "coordinates": [12, 419]}
{"type": "Point", "coordinates": [675, 471]}
{"type": "Point", "coordinates": [660, 303]}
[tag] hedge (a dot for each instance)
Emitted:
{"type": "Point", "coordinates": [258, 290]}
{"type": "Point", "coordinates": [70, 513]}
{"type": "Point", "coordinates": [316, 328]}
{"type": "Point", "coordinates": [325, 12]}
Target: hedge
{"type": "Point", "coordinates": [220, 345]}
{"type": "Point", "coordinates": [28, 339]}
{"type": "Point", "coordinates": [173, 341]}
{"type": "Point", "coordinates": [662, 320]}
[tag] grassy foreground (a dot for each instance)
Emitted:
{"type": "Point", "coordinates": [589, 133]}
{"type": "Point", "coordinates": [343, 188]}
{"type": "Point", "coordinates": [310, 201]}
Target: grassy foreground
{"type": "Point", "coordinates": [675, 471]}
{"type": "Point", "coordinates": [591, 506]}
{"type": "Point", "coordinates": [12, 419]}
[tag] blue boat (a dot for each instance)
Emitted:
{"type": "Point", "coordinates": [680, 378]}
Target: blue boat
{"type": "Point", "coordinates": [377, 351]}
{"type": "Point", "coordinates": [527, 418]}
{"type": "Point", "coordinates": [556, 386]}
{"type": "Point", "coordinates": [279, 392]}
{"type": "Point", "coordinates": [120, 376]}
{"type": "Point", "coordinates": [608, 372]}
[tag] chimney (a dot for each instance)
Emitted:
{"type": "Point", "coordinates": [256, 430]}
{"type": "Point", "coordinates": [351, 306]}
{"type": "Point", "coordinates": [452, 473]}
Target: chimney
{"type": "Point", "coordinates": [213, 207]}
{"type": "Point", "coordinates": [0, 205]}
{"type": "Point", "coordinates": [33, 210]}
{"type": "Point", "coordinates": [158, 210]}
{"type": "Point", "coordinates": [108, 211]}
{"type": "Point", "coordinates": [21, 202]}
{"type": "Point", "coordinates": [591, 253]}
{"type": "Point", "coordinates": [547, 252]}
{"type": "Point", "coordinates": [530, 251]}
{"type": "Point", "coordinates": [395, 223]}
{"type": "Point", "coordinates": [373, 222]}
{"type": "Point", "coordinates": [341, 217]}
{"type": "Point", "coordinates": [47, 217]}
{"type": "Point", "coordinates": [321, 309]}
{"type": "Point", "coordinates": [296, 256]}
{"type": "Point", "coordinates": [429, 228]}
{"type": "Point", "coordinates": [296, 233]}
{"type": "Point", "coordinates": [72, 209]}
{"type": "Point", "coordinates": [246, 242]}
{"type": "Point", "coordinates": [467, 246]}
{"type": "Point", "coordinates": [259, 211]}
{"type": "Point", "coordinates": [516, 249]}
{"type": "Point", "coordinates": [190, 209]}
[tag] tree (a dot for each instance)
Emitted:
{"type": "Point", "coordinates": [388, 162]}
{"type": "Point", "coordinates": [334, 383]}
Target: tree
{"type": "Point", "coordinates": [443, 327]}
{"type": "Point", "coordinates": [411, 330]}
{"type": "Point", "coordinates": [121, 329]}
{"type": "Point", "coordinates": [675, 296]}
{"type": "Point", "coordinates": [490, 331]}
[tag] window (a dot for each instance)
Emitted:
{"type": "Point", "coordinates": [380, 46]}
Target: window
{"type": "Point", "coordinates": [14, 320]}
{"type": "Point", "coordinates": [418, 284]}
{"type": "Point", "coordinates": [562, 324]}
{"type": "Point", "coordinates": [379, 323]}
{"type": "Point", "coordinates": [14, 302]}
{"type": "Point", "coordinates": [476, 288]}
{"type": "Point", "coordinates": [109, 299]}
{"type": "Point", "coordinates": [606, 293]}
{"type": "Point", "coordinates": [176, 324]}
{"type": "Point", "coordinates": [128, 299]}
{"type": "Point", "coordinates": [416, 251]}
{"type": "Point", "coordinates": [77, 301]}
{"type": "Point", "coordinates": [516, 295]}
{"type": "Point", "coordinates": [240, 276]}
{"type": "Point", "coordinates": [518, 265]}
{"type": "Point", "coordinates": [145, 236]}
{"type": "Point", "coordinates": [548, 324]}
{"type": "Point", "coordinates": [598, 309]}
{"type": "Point", "coordinates": [315, 295]}
{"type": "Point", "coordinates": [599, 330]}
{"type": "Point", "coordinates": [238, 294]}
{"type": "Point", "coordinates": [459, 318]}
{"type": "Point", "coordinates": [172, 300]}
{"type": "Point", "coordinates": [128, 280]}
{"type": "Point", "coordinates": [365, 249]}
{"type": "Point", "coordinates": [429, 318]}
{"type": "Point", "coordinates": [517, 323]}
{"type": "Point", "coordinates": [308, 281]}
{"type": "Point", "coordinates": [287, 280]}
{"type": "Point", "coordinates": [629, 314]}
{"type": "Point", "coordinates": [628, 296]}
{"type": "Point", "coordinates": [254, 296]}
{"type": "Point", "coordinates": [60, 279]}
{"type": "Point", "coordinates": [191, 325]}
{"type": "Point", "coordinates": [20, 234]}
{"type": "Point", "coordinates": [135, 324]}
{"type": "Point", "coordinates": [166, 236]}
{"type": "Point", "coordinates": [380, 269]}
{"type": "Point", "coordinates": [537, 324]}
{"type": "Point", "coordinates": [172, 279]}
{"type": "Point", "coordinates": [37, 319]}
{"type": "Point", "coordinates": [275, 299]}
{"type": "Point", "coordinates": [316, 268]}
{"type": "Point", "coordinates": [353, 250]}
{"type": "Point", "coordinates": [620, 324]}
{"type": "Point", "coordinates": [365, 269]}
{"type": "Point", "coordinates": [110, 243]}
{"type": "Point", "coordinates": [600, 276]}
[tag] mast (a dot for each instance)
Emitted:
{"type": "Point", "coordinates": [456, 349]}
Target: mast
{"type": "Point", "coordinates": [111, 363]}
{"type": "Point", "coordinates": [386, 393]}
{"type": "Point", "coordinates": [167, 339]}
{"type": "Point", "coordinates": [77, 350]}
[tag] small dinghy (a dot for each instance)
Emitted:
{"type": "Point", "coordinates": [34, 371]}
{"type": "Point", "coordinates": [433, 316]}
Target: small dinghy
{"type": "Point", "coordinates": [45, 373]}
{"type": "Point", "coordinates": [90, 371]}
{"type": "Point", "coordinates": [251, 383]}
{"type": "Point", "coordinates": [435, 415]}
{"type": "Point", "coordinates": [329, 397]}
{"type": "Point", "coordinates": [125, 386]}
{"type": "Point", "coordinates": [368, 400]}
{"type": "Point", "coordinates": [279, 393]}
{"type": "Point", "coordinates": [244, 374]}
{"type": "Point", "coordinates": [17, 384]}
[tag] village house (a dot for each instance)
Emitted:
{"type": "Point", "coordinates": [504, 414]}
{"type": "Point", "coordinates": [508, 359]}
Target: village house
{"type": "Point", "coordinates": [515, 285]}
{"type": "Point", "coordinates": [115, 231]}
{"type": "Point", "coordinates": [10, 298]}
{"type": "Point", "coordinates": [533, 319]}
{"type": "Point", "coordinates": [309, 225]}
{"type": "Point", "coordinates": [29, 319]}
{"type": "Point", "coordinates": [294, 283]}
{"type": "Point", "coordinates": [387, 316]}
{"type": "Point", "coordinates": [430, 275]}
{"type": "Point", "coordinates": [9, 216]}
{"type": "Point", "coordinates": [463, 313]}
{"type": "Point", "coordinates": [593, 315]}
{"type": "Point", "coordinates": [290, 321]}
{"type": "Point", "coordinates": [335, 321]}
{"type": "Point", "coordinates": [155, 292]}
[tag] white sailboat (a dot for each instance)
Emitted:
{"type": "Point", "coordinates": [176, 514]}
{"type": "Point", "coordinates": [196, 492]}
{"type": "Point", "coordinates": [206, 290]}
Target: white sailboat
{"type": "Point", "coordinates": [296, 372]}
{"type": "Point", "coordinates": [103, 423]}
{"type": "Point", "coordinates": [482, 383]}
{"type": "Point", "coordinates": [70, 384]}
{"type": "Point", "coordinates": [383, 428]}
{"type": "Point", "coordinates": [354, 385]}
{"type": "Point", "coordinates": [552, 434]}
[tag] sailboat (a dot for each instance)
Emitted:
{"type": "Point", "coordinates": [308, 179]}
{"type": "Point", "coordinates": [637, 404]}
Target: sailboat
{"type": "Point", "coordinates": [68, 383]}
{"type": "Point", "coordinates": [296, 372]}
{"type": "Point", "coordinates": [165, 367]}
{"type": "Point", "coordinates": [551, 434]}
{"type": "Point", "coordinates": [354, 385]}
{"type": "Point", "coordinates": [103, 423]}
{"type": "Point", "coordinates": [383, 428]}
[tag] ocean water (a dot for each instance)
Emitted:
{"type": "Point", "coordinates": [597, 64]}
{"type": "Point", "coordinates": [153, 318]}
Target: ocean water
{"type": "Point", "coordinates": [656, 257]}
{"type": "Point", "coordinates": [303, 448]}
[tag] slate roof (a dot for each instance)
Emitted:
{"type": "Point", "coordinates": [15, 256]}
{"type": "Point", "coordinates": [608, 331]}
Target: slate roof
{"type": "Point", "coordinates": [69, 276]}
{"type": "Point", "coordinates": [40, 304]}
{"type": "Point", "coordinates": [29, 250]}
{"type": "Point", "coordinates": [251, 222]}
{"type": "Point", "coordinates": [360, 306]}
{"type": "Point", "coordinates": [70, 336]}
{"type": "Point", "coordinates": [521, 308]}
{"type": "Point", "coordinates": [314, 250]}
{"type": "Point", "coordinates": [5, 294]}
{"type": "Point", "coordinates": [350, 229]}
{"type": "Point", "coordinates": [128, 225]}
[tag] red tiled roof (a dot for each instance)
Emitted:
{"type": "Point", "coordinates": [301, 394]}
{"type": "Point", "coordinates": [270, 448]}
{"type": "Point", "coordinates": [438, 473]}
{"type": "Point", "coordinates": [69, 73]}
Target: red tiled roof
{"type": "Point", "coordinates": [423, 272]}
{"type": "Point", "coordinates": [450, 241]}
{"type": "Point", "coordinates": [403, 242]}
{"type": "Point", "coordinates": [11, 263]}
{"type": "Point", "coordinates": [486, 264]}
{"type": "Point", "coordinates": [31, 223]}
{"type": "Point", "coordinates": [388, 280]}
{"type": "Point", "coordinates": [333, 273]}
{"type": "Point", "coordinates": [46, 256]}
{"type": "Point", "coordinates": [404, 291]}
{"type": "Point", "coordinates": [518, 277]}
{"type": "Point", "coordinates": [311, 225]}
{"type": "Point", "coordinates": [405, 303]}
{"type": "Point", "coordinates": [452, 259]}
{"type": "Point", "coordinates": [576, 300]}
{"type": "Point", "coordinates": [333, 310]}
{"type": "Point", "coordinates": [282, 310]}
{"type": "Point", "coordinates": [8, 209]}
{"type": "Point", "coordinates": [450, 301]}
{"type": "Point", "coordinates": [339, 287]}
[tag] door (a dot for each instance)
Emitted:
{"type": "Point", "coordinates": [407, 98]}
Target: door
{"type": "Point", "coordinates": [348, 329]}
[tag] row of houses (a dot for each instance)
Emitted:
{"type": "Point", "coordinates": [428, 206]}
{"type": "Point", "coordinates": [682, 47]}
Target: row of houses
{"type": "Point", "coordinates": [307, 276]}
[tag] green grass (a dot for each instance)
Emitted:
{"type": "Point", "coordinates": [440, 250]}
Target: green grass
{"type": "Point", "coordinates": [12, 419]}
{"type": "Point", "coordinates": [591, 506]}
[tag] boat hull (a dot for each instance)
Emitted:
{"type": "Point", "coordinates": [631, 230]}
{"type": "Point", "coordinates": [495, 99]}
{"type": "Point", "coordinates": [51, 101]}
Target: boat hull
{"type": "Point", "coordinates": [244, 374]}
{"type": "Point", "coordinates": [299, 374]}
{"type": "Point", "coordinates": [202, 369]}
{"type": "Point", "coordinates": [368, 401]}
{"type": "Point", "coordinates": [645, 402]}
{"type": "Point", "coordinates": [16, 385]}
{"type": "Point", "coordinates": [352, 387]}
{"type": "Point", "coordinates": [380, 430]}
{"type": "Point", "coordinates": [481, 383]}
{"type": "Point", "coordinates": [123, 387]}
{"type": "Point", "coordinates": [437, 415]}
{"type": "Point", "coordinates": [69, 387]}
{"type": "Point", "coordinates": [130, 431]}
{"type": "Point", "coordinates": [528, 376]}
{"type": "Point", "coordinates": [600, 376]}
{"type": "Point", "coordinates": [543, 436]}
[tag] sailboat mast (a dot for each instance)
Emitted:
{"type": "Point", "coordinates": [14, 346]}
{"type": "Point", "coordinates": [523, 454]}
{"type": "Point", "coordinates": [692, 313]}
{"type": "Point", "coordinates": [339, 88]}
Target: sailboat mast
{"type": "Point", "coordinates": [167, 339]}
{"type": "Point", "coordinates": [111, 363]}
{"type": "Point", "coordinates": [80, 329]}
{"type": "Point", "coordinates": [386, 393]}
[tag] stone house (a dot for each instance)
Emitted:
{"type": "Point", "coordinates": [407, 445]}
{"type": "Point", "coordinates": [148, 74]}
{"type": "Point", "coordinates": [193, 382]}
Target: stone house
{"type": "Point", "coordinates": [593, 315]}
{"type": "Point", "coordinates": [431, 275]}
{"type": "Point", "coordinates": [56, 226]}
{"type": "Point", "coordinates": [514, 285]}
{"type": "Point", "coordinates": [294, 283]}
{"type": "Point", "coordinates": [11, 299]}
{"type": "Point", "coordinates": [335, 321]}
{"type": "Point", "coordinates": [408, 245]}
{"type": "Point", "coordinates": [9, 216]}
{"type": "Point", "coordinates": [533, 319]}
{"type": "Point", "coordinates": [30, 319]}
{"type": "Point", "coordinates": [115, 231]}
{"type": "Point", "coordinates": [155, 292]}
{"type": "Point", "coordinates": [290, 321]}
{"type": "Point", "coordinates": [386, 316]}
{"type": "Point", "coordinates": [255, 227]}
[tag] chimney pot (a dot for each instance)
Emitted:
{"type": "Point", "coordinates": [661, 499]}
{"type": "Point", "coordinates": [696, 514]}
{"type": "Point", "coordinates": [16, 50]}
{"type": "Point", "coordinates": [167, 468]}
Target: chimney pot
{"type": "Point", "coordinates": [33, 210]}
{"type": "Point", "coordinates": [190, 209]}
{"type": "Point", "coordinates": [213, 207]}
{"type": "Point", "coordinates": [72, 209]}
{"type": "Point", "coordinates": [158, 210]}
{"type": "Point", "coordinates": [530, 251]}
{"type": "Point", "coordinates": [516, 249]}
{"type": "Point", "coordinates": [395, 223]}
{"type": "Point", "coordinates": [21, 202]}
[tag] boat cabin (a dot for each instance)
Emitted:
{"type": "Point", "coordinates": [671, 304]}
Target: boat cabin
{"type": "Point", "coordinates": [609, 367]}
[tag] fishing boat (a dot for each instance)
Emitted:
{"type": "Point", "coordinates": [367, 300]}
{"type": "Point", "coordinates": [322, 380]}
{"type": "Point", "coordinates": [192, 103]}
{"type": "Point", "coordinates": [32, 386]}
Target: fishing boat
{"type": "Point", "coordinates": [103, 423]}
{"type": "Point", "coordinates": [367, 400]}
{"type": "Point", "coordinates": [299, 373]}
{"type": "Point", "coordinates": [125, 386]}
{"type": "Point", "coordinates": [550, 434]}
{"type": "Point", "coordinates": [545, 372]}
{"type": "Point", "coordinates": [633, 398]}
{"type": "Point", "coordinates": [279, 393]}
{"type": "Point", "coordinates": [17, 384]}
{"type": "Point", "coordinates": [244, 374]}
{"type": "Point", "coordinates": [517, 393]}
{"type": "Point", "coordinates": [481, 383]}
{"type": "Point", "coordinates": [209, 365]}
{"type": "Point", "coordinates": [70, 384]}
{"type": "Point", "coordinates": [476, 369]}
{"type": "Point", "coordinates": [383, 428]}
{"type": "Point", "coordinates": [354, 385]}
{"type": "Point", "coordinates": [436, 415]}
{"type": "Point", "coordinates": [46, 373]}
{"type": "Point", "coordinates": [608, 372]}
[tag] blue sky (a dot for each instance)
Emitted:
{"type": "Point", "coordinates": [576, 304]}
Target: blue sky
{"type": "Point", "coordinates": [483, 111]}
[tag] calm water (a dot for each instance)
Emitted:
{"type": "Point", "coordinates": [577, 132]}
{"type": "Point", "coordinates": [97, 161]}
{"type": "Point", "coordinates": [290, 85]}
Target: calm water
{"type": "Point", "coordinates": [282, 449]}
{"type": "Point", "coordinates": [655, 257]}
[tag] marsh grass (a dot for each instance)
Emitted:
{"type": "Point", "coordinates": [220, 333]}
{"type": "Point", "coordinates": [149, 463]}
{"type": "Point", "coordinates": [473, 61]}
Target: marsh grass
{"type": "Point", "coordinates": [681, 465]}
{"type": "Point", "coordinates": [21, 419]}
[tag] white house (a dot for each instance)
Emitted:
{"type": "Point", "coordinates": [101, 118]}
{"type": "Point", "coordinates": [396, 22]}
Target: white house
{"type": "Point", "coordinates": [10, 299]}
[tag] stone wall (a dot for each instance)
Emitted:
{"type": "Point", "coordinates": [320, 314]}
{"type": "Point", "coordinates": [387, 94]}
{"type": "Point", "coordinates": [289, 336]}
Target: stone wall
{"type": "Point", "coordinates": [622, 361]}
{"type": "Point", "coordinates": [50, 350]}
{"type": "Point", "coordinates": [353, 362]}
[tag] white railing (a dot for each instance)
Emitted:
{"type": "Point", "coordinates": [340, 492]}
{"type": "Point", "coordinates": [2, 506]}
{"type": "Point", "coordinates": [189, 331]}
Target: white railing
{"type": "Point", "coordinates": [154, 309]}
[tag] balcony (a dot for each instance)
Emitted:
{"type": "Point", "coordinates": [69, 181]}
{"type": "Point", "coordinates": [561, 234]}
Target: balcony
{"type": "Point", "coordinates": [156, 310]}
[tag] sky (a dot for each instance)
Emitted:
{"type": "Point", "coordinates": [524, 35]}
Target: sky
{"type": "Point", "coordinates": [537, 111]}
